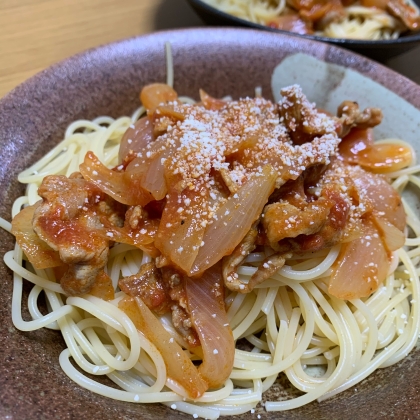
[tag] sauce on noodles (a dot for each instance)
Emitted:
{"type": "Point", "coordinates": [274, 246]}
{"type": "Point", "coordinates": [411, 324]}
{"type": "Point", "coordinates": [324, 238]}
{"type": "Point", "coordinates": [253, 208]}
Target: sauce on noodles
{"type": "Point", "coordinates": [196, 252]}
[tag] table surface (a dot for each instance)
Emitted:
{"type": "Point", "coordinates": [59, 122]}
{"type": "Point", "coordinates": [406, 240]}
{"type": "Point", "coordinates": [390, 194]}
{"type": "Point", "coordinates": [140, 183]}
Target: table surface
{"type": "Point", "coordinates": [37, 33]}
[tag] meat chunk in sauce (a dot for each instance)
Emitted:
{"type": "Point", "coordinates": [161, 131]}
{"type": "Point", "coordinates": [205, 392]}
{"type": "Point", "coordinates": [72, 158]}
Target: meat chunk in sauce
{"type": "Point", "coordinates": [181, 317]}
{"type": "Point", "coordinates": [303, 121]}
{"type": "Point", "coordinates": [68, 220]}
{"type": "Point", "coordinates": [149, 286]}
{"type": "Point", "coordinates": [162, 290]}
{"type": "Point", "coordinates": [349, 116]}
{"type": "Point", "coordinates": [283, 220]}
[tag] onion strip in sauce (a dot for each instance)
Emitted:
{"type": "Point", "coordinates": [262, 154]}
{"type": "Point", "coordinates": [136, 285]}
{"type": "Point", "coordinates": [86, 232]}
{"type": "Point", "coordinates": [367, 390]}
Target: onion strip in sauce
{"type": "Point", "coordinates": [234, 218]}
{"type": "Point", "coordinates": [206, 304]}
{"type": "Point", "coordinates": [124, 187]}
{"type": "Point", "coordinates": [178, 365]}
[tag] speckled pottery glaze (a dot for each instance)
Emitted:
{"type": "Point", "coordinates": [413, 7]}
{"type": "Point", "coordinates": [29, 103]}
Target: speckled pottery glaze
{"type": "Point", "coordinates": [106, 81]}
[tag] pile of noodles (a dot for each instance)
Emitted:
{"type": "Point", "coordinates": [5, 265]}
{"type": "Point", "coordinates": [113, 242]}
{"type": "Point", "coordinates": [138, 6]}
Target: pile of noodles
{"type": "Point", "coordinates": [289, 324]}
{"type": "Point", "coordinates": [359, 22]}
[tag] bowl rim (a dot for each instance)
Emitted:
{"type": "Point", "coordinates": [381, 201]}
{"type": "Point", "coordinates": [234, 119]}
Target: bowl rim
{"type": "Point", "coordinates": [403, 40]}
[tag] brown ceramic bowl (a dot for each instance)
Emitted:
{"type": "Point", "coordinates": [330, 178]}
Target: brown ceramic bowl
{"type": "Point", "coordinates": [106, 81]}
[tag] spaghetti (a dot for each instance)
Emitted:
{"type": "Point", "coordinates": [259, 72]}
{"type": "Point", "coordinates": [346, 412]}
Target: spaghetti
{"type": "Point", "coordinates": [288, 323]}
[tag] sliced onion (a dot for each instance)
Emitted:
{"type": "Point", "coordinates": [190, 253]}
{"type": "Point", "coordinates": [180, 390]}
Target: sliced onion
{"type": "Point", "coordinates": [382, 158]}
{"type": "Point", "coordinates": [385, 200]}
{"type": "Point", "coordinates": [361, 266]}
{"type": "Point", "coordinates": [392, 237]}
{"type": "Point", "coordinates": [180, 233]}
{"type": "Point", "coordinates": [205, 297]}
{"type": "Point", "coordinates": [153, 179]}
{"type": "Point", "coordinates": [155, 94]}
{"type": "Point", "coordinates": [358, 139]}
{"type": "Point", "coordinates": [211, 103]}
{"type": "Point", "coordinates": [38, 252]}
{"type": "Point", "coordinates": [358, 147]}
{"type": "Point", "coordinates": [149, 166]}
{"type": "Point", "coordinates": [179, 367]}
{"type": "Point", "coordinates": [123, 187]}
{"type": "Point", "coordinates": [136, 138]}
{"type": "Point", "coordinates": [142, 236]}
{"type": "Point", "coordinates": [233, 219]}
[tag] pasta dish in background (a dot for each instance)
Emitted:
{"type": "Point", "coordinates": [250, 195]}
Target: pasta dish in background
{"type": "Point", "coordinates": [365, 19]}
{"type": "Point", "coordinates": [194, 251]}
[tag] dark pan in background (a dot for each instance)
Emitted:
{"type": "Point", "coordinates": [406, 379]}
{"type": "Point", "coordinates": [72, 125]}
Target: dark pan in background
{"type": "Point", "coordinates": [377, 50]}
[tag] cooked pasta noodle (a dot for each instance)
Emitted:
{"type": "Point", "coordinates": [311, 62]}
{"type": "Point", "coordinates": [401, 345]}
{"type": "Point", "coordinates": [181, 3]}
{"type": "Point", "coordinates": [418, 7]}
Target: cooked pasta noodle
{"type": "Point", "coordinates": [364, 23]}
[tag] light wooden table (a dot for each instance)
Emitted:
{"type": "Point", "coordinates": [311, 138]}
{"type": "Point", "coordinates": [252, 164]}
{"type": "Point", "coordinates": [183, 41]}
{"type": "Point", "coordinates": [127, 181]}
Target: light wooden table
{"type": "Point", "coordinates": [36, 33]}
